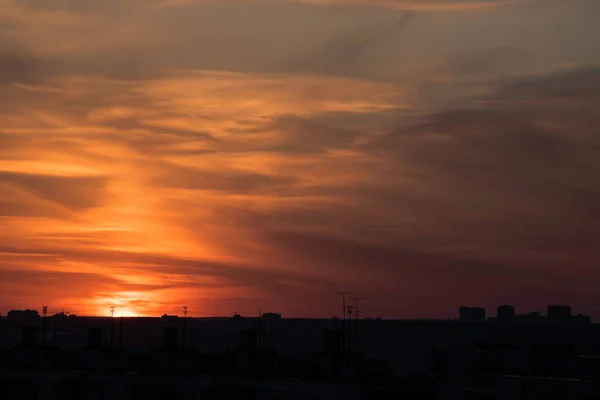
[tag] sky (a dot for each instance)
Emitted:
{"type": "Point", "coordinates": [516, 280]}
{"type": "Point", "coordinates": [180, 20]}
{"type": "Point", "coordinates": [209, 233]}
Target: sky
{"type": "Point", "coordinates": [237, 155]}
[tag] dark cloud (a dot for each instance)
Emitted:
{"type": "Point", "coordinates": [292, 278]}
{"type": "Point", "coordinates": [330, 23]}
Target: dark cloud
{"type": "Point", "coordinates": [90, 6]}
{"type": "Point", "coordinates": [501, 194]}
{"type": "Point", "coordinates": [348, 55]}
{"type": "Point", "coordinates": [309, 135]}
{"type": "Point", "coordinates": [181, 177]}
{"type": "Point", "coordinates": [23, 282]}
{"type": "Point", "coordinates": [19, 66]}
{"type": "Point", "coordinates": [155, 140]}
{"type": "Point", "coordinates": [372, 259]}
{"type": "Point", "coordinates": [227, 274]}
{"type": "Point", "coordinates": [519, 170]}
{"type": "Point", "coordinates": [19, 209]}
{"type": "Point", "coordinates": [580, 85]}
{"type": "Point", "coordinates": [396, 275]}
{"type": "Point", "coordinates": [501, 59]}
{"type": "Point", "coordinates": [75, 193]}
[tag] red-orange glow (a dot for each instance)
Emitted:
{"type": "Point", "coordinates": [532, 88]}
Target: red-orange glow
{"type": "Point", "coordinates": [233, 156]}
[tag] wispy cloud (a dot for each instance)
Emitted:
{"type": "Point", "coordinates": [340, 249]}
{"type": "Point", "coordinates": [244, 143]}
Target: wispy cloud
{"type": "Point", "coordinates": [235, 153]}
{"type": "Point", "coordinates": [421, 5]}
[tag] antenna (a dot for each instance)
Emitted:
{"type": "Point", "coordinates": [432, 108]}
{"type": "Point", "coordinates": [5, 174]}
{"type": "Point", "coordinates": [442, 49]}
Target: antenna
{"type": "Point", "coordinates": [356, 312]}
{"type": "Point", "coordinates": [356, 300]}
{"type": "Point", "coordinates": [343, 294]}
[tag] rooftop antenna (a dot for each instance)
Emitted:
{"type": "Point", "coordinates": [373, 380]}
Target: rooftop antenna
{"type": "Point", "coordinates": [356, 300]}
{"type": "Point", "coordinates": [344, 294]}
{"type": "Point", "coordinates": [356, 312]}
{"type": "Point", "coordinates": [350, 329]}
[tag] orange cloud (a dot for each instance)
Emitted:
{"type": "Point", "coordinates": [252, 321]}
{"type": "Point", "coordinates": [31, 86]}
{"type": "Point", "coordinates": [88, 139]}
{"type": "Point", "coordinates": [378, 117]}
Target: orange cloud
{"type": "Point", "coordinates": [200, 165]}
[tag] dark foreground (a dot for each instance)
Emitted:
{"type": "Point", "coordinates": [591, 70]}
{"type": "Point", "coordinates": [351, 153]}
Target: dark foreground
{"type": "Point", "coordinates": [510, 357]}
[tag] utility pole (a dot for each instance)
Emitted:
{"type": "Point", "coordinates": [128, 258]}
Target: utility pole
{"type": "Point", "coordinates": [356, 312]}
{"type": "Point", "coordinates": [45, 313]}
{"type": "Point", "coordinates": [112, 326]}
{"type": "Point", "coordinates": [350, 311]}
{"type": "Point", "coordinates": [344, 294]}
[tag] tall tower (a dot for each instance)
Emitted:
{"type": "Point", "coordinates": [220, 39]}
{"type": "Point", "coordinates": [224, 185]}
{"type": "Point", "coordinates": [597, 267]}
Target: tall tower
{"type": "Point", "coordinates": [356, 318]}
{"type": "Point", "coordinates": [344, 327]}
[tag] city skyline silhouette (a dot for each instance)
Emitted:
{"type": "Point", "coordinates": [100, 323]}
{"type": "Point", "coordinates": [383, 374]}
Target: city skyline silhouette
{"type": "Point", "coordinates": [299, 199]}
{"type": "Point", "coordinates": [475, 356]}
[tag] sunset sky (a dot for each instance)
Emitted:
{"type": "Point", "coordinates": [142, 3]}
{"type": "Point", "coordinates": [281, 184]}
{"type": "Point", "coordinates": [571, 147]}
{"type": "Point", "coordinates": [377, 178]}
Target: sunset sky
{"type": "Point", "coordinates": [232, 155]}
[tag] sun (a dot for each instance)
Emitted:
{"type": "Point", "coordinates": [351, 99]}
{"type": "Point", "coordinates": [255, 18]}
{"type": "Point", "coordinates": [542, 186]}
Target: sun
{"type": "Point", "coordinates": [125, 312]}
{"type": "Point", "coordinates": [119, 304]}
{"type": "Point", "coordinates": [119, 311]}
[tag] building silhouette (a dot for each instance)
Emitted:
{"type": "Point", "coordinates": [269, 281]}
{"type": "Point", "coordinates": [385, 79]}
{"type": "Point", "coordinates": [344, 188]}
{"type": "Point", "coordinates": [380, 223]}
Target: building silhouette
{"type": "Point", "coordinates": [505, 313]}
{"type": "Point", "coordinates": [509, 356]}
{"type": "Point", "coordinates": [472, 314]}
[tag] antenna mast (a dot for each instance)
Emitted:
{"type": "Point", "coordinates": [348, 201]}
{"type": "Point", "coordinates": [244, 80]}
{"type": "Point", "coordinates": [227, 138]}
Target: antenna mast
{"type": "Point", "coordinates": [356, 312]}
{"type": "Point", "coordinates": [344, 328]}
